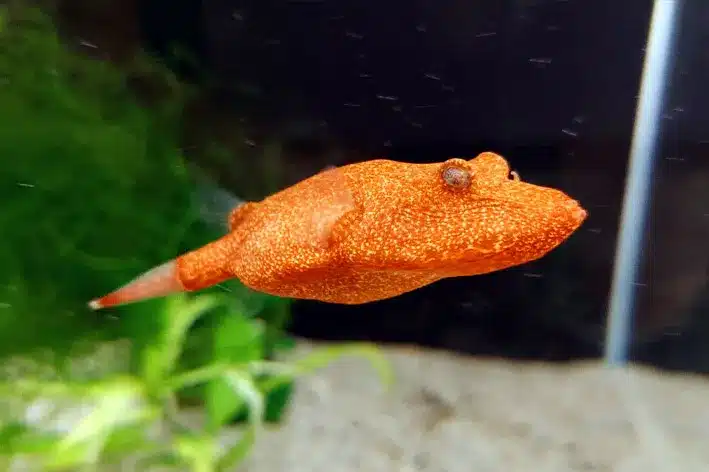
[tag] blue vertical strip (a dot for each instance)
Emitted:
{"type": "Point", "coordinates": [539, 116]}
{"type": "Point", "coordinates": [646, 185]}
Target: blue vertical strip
{"type": "Point", "coordinates": [636, 199]}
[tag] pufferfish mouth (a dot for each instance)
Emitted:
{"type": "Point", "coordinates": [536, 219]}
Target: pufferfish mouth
{"type": "Point", "coordinates": [548, 203]}
{"type": "Point", "coordinates": [575, 211]}
{"type": "Point", "coordinates": [558, 220]}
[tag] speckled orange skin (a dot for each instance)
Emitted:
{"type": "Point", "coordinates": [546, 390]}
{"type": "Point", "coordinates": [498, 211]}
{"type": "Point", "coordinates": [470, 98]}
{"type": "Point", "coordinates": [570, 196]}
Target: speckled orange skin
{"type": "Point", "coordinates": [377, 229]}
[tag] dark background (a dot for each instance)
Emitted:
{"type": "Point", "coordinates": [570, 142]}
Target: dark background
{"type": "Point", "coordinates": [550, 84]}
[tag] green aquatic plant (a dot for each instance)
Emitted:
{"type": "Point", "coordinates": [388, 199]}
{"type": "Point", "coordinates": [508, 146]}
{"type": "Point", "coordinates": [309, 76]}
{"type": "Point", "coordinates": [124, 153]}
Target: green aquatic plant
{"type": "Point", "coordinates": [48, 424]}
{"type": "Point", "coordinates": [94, 189]}
{"type": "Point", "coordinates": [92, 185]}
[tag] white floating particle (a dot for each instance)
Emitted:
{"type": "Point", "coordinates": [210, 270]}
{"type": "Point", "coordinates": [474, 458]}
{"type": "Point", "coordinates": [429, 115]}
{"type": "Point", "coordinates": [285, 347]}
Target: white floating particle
{"type": "Point", "coordinates": [569, 132]}
{"type": "Point", "coordinates": [540, 60]}
{"type": "Point", "coordinates": [87, 44]}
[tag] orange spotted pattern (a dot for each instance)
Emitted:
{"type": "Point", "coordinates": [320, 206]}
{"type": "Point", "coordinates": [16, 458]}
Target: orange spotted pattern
{"type": "Point", "coordinates": [376, 229]}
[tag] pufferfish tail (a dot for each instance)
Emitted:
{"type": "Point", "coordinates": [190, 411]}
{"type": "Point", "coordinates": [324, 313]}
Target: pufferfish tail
{"type": "Point", "coordinates": [157, 282]}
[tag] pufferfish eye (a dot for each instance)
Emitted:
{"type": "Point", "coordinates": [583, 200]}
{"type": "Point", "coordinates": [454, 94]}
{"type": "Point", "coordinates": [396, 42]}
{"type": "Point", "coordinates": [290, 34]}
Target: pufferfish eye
{"type": "Point", "coordinates": [456, 175]}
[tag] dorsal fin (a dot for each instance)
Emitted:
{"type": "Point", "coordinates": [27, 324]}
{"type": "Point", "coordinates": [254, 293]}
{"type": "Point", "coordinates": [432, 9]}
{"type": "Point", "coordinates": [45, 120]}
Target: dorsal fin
{"type": "Point", "coordinates": [217, 205]}
{"type": "Point", "coordinates": [214, 204]}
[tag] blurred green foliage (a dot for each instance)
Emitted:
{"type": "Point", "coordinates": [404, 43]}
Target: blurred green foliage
{"type": "Point", "coordinates": [92, 185]}
{"type": "Point", "coordinates": [95, 190]}
{"type": "Point", "coordinates": [133, 420]}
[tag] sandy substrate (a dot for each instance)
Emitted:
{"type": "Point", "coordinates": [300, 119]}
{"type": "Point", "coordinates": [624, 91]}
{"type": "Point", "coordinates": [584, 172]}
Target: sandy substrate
{"type": "Point", "coordinates": [450, 414]}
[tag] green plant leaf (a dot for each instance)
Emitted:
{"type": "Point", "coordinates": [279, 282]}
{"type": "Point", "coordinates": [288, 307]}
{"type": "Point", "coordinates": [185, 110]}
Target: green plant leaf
{"type": "Point", "coordinates": [116, 404]}
{"type": "Point", "coordinates": [71, 457]}
{"type": "Point", "coordinates": [322, 356]}
{"type": "Point", "coordinates": [244, 386]}
{"type": "Point", "coordinates": [161, 357]}
{"type": "Point", "coordinates": [237, 340]}
{"type": "Point", "coordinates": [130, 440]}
{"type": "Point", "coordinates": [19, 439]}
{"type": "Point", "coordinates": [284, 344]}
{"type": "Point", "coordinates": [277, 401]}
{"type": "Point", "coordinates": [162, 458]}
{"type": "Point", "coordinates": [200, 452]}
{"type": "Point", "coordinates": [238, 452]}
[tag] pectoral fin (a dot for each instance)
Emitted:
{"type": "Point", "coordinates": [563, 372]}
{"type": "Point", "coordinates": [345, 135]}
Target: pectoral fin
{"type": "Point", "coordinates": [336, 200]}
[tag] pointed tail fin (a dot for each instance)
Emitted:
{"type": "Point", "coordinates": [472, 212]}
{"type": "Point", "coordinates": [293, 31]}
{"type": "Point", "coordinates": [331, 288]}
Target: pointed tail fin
{"type": "Point", "coordinates": [195, 270]}
{"type": "Point", "coordinates": [157, 282]}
